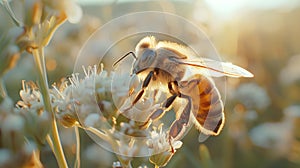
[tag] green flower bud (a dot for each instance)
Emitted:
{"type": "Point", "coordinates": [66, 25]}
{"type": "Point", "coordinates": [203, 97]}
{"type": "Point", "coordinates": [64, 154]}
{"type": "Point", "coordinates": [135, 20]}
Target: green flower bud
{"type": "Point", "coordinates": [161, 159]}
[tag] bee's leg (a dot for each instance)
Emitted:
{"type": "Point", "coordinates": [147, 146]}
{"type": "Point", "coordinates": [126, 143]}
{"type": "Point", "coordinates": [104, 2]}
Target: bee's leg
{"type": "Point", "coordinates": [142, 91]}
{"type": "Point", "coordinates": [173, 89]}
{"type": "Point", "coordinates": [177, 128]}
{"type": "Point", "coordinates": [158, 113]}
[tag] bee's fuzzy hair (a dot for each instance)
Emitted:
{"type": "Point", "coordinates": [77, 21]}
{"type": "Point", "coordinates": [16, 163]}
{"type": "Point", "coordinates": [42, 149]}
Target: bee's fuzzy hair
{"type": "Point", "coordinates": [184, 50]}
{"type": "Point", "coordinates": [146, 42]}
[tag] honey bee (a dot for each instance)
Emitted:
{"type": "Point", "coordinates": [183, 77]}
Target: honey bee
{"type": "Point", "coordinates": [169, 64]}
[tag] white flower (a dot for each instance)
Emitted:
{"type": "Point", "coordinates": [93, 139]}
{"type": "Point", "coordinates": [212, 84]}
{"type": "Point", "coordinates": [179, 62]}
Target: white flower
{"type": "Point", "coordinates": [76, 99]}
{"type": "Point", "coordinates": [31, 97]}
{"type": "Point", "coordinates": [162, 147]}
{"type": "Point", "coordinates": [159, 141]}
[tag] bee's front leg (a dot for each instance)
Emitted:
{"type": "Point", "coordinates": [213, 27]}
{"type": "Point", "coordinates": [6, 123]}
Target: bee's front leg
{"type": "Point", "coordinates": [142, 91]}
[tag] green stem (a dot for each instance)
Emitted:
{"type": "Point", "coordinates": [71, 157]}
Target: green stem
{"type": "Point", "coordinates": [3, 92]}
{"type": "Point", "coordinates": [77, 159]}
{"type": "Point", "coordinates": [97, 133]}
{"type": "Point", "coordinates": [49, 141]}
{"type": "Point", "coordinates": [10, 12]}
{"type": "Point", "coordinates": [39, 58]}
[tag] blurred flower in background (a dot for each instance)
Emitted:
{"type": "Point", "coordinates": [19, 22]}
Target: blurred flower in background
{"type": "Point", "coordinates": [280, 138]}
{"type": "Point", "coordinates": [252, 96]}
{"type": "Point", "coordinates": [290, 73]}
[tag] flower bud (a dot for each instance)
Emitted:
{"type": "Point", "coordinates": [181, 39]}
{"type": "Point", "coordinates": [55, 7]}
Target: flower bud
{"type": "Point", "coordinates": [33, 9]}
{"type": "Point", "coordinates": [67, 119]}
{"type": "Point", "coordinates": [161, 159]}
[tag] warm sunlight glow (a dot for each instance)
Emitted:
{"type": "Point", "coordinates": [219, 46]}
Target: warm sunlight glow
{"type": "Point", "coordinates": [228, 8]}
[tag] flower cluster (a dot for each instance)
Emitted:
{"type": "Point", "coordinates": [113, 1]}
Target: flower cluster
{"type": "Point", "coordinates": [90, 103]}
{"type": "Point", "coordinates": [159, 142]}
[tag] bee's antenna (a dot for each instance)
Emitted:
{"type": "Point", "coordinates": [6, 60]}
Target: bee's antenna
{"type": "Point", "coordinates": [120, 59]}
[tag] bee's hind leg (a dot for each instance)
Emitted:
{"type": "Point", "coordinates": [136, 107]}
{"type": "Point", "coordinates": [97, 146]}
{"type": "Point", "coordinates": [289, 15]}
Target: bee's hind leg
{"type": "Point", "coordinates": [158, 113]}
{"type": "Point", "coordinates": [178, 126]}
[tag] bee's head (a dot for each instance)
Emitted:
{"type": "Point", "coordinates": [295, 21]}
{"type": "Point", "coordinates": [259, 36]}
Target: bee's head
{"type": "Point", "coordinates": [145, 52]}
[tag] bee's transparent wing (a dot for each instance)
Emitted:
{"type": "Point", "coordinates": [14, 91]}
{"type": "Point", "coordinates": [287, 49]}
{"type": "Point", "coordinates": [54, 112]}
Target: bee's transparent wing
{"type": "Point", "coordinates": [216, 68]}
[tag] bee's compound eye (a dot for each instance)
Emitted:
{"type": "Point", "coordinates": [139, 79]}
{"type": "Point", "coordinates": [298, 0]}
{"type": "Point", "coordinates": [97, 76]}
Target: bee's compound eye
{"type": "Point", "coordinates": [145, 60]}
{"type": "Point", "coordinates": [148, 56]}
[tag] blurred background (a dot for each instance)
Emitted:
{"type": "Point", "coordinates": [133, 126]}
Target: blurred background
{"type": "Point", "coordinates": [262, 113]}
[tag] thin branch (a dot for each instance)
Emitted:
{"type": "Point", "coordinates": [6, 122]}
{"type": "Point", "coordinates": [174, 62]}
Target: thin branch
{"type": "Point", "coordinates": [77, 158]}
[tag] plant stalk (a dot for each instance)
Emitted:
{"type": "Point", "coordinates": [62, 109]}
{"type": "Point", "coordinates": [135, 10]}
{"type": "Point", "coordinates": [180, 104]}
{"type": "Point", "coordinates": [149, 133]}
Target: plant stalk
{"type": "Point", "coordinates": [77, 159]}
{"type": "Point", "coordinates": [10, 12]}
{"type": "Point", "coordinates": [39, 59]}
{"type": "Point", "coordinates": [3, 92]}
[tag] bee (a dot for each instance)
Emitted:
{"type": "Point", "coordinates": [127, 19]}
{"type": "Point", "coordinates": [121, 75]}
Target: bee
{"type": "Point", "coordinates": [169, 64]}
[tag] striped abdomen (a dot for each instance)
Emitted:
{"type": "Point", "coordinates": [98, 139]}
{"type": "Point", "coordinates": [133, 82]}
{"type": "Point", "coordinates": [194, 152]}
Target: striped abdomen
{"type": "Point", "coordinates": [207, 107]}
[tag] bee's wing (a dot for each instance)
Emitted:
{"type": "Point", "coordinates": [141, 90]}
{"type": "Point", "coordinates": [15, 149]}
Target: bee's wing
{"type": "Point", "coordinates": [216, 68]}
